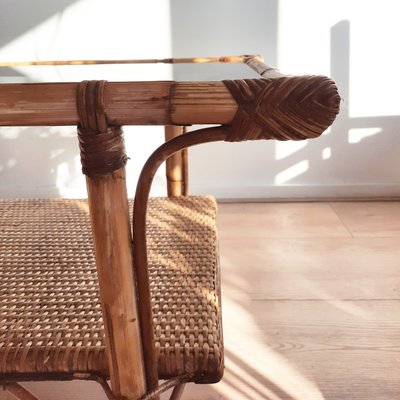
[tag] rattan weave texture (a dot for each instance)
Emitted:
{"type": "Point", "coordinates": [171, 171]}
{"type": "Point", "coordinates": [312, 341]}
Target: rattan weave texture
{"type": "Point", "coordinates": [50, 314]}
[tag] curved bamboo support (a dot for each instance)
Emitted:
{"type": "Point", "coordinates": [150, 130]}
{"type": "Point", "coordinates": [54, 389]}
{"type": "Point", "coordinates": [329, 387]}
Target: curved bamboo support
{"type": "Point", "coordinates": [258, 117]}
{"type": "Point", "coordinates": [139, 229]}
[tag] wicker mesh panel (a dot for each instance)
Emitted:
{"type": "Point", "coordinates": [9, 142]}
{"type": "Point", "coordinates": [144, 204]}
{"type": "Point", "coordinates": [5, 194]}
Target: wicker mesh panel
{"type": "Point", "coordinates": [50, 313]}
{"type": "Point", "coordinates": [185, 285]}
{"type": "Point", "coordinates": [49, 302]}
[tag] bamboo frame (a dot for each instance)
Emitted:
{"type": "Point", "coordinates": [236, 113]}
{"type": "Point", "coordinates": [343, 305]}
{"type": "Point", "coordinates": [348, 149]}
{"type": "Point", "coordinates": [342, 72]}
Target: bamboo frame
{"type": "Point", "coordinates": [179, 381]}
{"type": "Point", "coordinates": [137, 103]}
{"type": "Point", "coordinates": [9, 381]}
{"type": "Point", "coordinates": [126, 103]}
{"type": "Point", "coordinates": [185, 166]}
{"type": "Point", "coordinates": [177, 165]}
{"type": "Point", "coordinates": [177, 392]}
{"type": "Point", "coordinates": [319, 115]}
{"type": "Point", "coordinates": [187, 60]}
{"type": "Point", "coordinates": [109, 212]}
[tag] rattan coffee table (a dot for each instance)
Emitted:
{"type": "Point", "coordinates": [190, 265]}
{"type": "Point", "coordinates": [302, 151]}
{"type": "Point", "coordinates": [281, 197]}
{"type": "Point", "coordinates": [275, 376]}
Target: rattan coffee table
{"type": "Point", "coordinates": [85, 293]}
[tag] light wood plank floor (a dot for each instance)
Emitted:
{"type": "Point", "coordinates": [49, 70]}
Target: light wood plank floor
{"type": "Point", "coordinates": [310, 304]}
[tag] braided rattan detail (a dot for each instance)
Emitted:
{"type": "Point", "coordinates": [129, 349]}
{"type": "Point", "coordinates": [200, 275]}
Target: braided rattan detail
{"type": "Point", "coordinates": [51, 319]}
{"type": "Point", "coordinates": [284, 108]}
{"type": "Point", "coordinates": [102, 146]}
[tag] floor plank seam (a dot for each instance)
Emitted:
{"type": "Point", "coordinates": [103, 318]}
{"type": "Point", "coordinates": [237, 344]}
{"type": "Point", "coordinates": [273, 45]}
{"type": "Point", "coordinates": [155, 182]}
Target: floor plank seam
{"type": "Point", "coordinates": [341, 220]}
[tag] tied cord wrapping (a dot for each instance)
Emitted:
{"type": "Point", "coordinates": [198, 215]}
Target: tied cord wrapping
{"type": "Point", "coordinates": [283, 108]}
{"type": "Point", "coordinates": [101, 146]}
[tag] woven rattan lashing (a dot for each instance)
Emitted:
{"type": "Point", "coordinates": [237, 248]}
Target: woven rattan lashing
{"type": "Point", "coordinates": [102, 146]}
{"type": "Point", "coordinates": [283, 108]}
{"type": "Point", "coordinates": [51, 319]}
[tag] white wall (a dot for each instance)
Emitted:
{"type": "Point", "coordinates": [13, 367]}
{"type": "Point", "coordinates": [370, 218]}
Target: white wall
{"type": "Point", "coordinates": [355, 41]}
{"type": "Point", "coordinates": [352, 40]}
{"type": "Point", "coordinates": [42, 161]}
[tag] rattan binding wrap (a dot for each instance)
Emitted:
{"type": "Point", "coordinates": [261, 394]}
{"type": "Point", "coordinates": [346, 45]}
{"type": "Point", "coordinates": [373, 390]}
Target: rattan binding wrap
{"type": "Point", "coordinates": [283, 108]}
{"type": "Point", "coordinates": [51, 317]}
{"type": "Point", "coordinates": [101, 145]}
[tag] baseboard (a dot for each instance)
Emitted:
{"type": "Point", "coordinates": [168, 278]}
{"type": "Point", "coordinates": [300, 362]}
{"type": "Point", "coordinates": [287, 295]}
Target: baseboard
{"type": "Point", "coordinates": [300, 192]}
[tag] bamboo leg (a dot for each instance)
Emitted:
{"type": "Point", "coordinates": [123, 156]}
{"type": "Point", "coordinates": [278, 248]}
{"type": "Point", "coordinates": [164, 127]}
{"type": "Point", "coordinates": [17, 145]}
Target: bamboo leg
{"type": "Point", "coordinates": [176, 165]}
{"type": "Point", "coordinates": [103, 162]}
{"type": "Point", "coordinates": [18, 391]}
{"type": "Point", "coordinates": [185, 166]}
{"type": "Point", "coordinates": [177, 392]}
{"type": "Point", "coordinates": [112, 242]}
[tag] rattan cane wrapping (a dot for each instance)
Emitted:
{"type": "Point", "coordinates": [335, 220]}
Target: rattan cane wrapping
{"type": "Point", "coordinates": [50, 310]}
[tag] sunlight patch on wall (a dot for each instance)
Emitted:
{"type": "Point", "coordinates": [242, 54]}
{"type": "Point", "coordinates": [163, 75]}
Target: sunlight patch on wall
{"type": "Point", "coordinates": [70, 184]}
{"type": "Point", "coordinates": [326, 153]}
{"type": "Point", "coordinates": [374, 45]}
{"type": "Point", "coordinates": [63, 177]}
{"type": "Point", "coordinates": [305, 46]}
{"type": "Point", "coordinates": [291, 172]}
{"type": "Point", "coordinates": [357, 135]}
{"type": "Point", "coordinates": [285, 149]}
{"type": "Point", "coordinates": [56, 153]}
{"type": "Point", "coordinates": [12, 162]}
{"type": "Point", "coordinates": [11, 132]}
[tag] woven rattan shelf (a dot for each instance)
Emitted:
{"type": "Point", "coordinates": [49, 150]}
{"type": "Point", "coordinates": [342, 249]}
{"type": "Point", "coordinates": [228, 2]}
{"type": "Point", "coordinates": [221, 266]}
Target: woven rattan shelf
{"type": "Point", "coordinates": [85, 293]}
{"type": "Point", "coordinates": [51, 317]}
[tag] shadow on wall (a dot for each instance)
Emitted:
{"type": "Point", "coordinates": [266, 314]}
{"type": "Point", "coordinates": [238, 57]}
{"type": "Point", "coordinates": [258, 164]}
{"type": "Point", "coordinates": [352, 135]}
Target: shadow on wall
{"type": "Point", "coordinates": [222, 28]}
{"type": "Point", "coordinates": [37, 161]}
{"type": "Point", "coordinates": [19, 16]}
{"type": "Point", "coordinates": [334, 165]}
{"type": "Point", "coordinates": [353, 145]}
{"type": "Point", "coordinates": [359, 139]}
{"type": "Point", "coordinates": [44, 161]}
{"type": "Point", "coordinates": [350, 148]}
{"type": "Point", "coordinates": [32, 160]}
{"type": "Point", "coordinates": [257, 370]}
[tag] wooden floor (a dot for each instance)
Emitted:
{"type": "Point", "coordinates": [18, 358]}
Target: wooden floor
{"type": "Point", "coordinates": [311, 304]}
